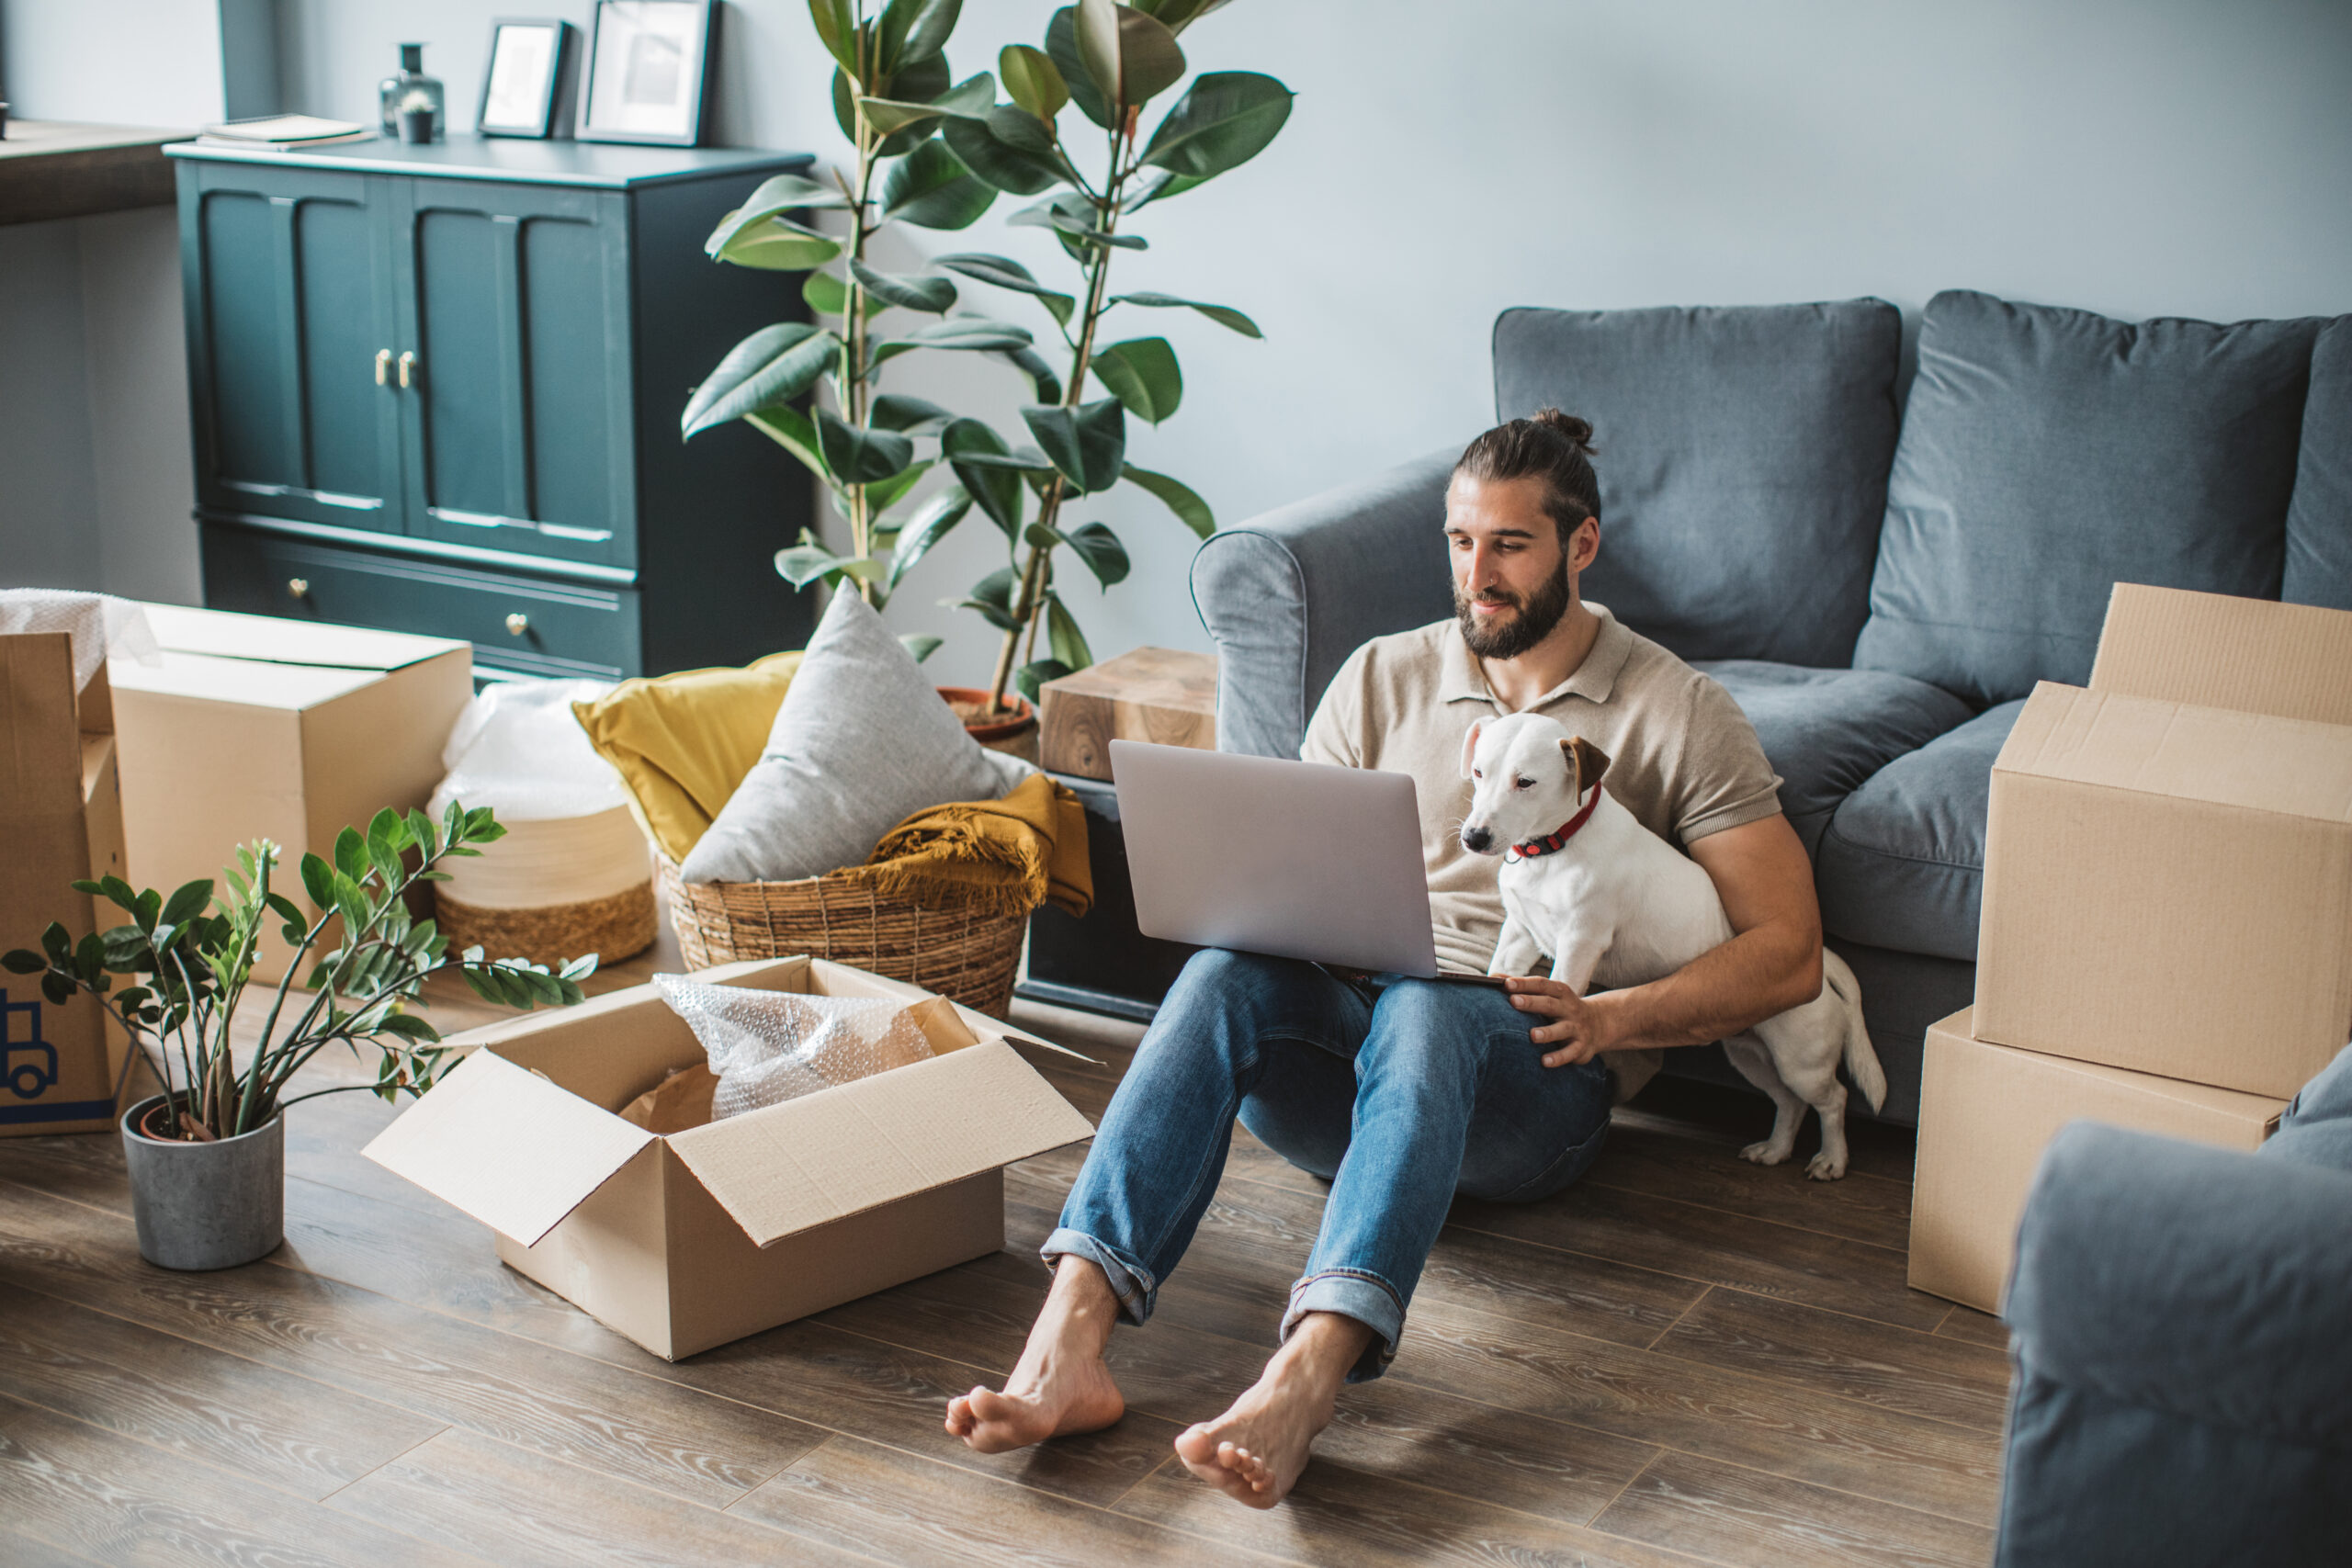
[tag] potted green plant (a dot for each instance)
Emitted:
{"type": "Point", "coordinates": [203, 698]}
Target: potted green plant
{"type": "Point", "coordinates": [1107, 61]}
{"type": "Point", "coordinates": [206, 1156]}
{"type": "Point", "coordinates": [864, 448]}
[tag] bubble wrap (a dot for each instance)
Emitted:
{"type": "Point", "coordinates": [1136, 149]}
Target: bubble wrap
{"type": "Point", "coordinates": [771, 1046]}
{"type": "Point", "coordinates": [97, 623]}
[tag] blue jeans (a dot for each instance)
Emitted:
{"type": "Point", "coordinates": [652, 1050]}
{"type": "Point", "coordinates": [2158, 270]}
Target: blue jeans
{"type": "Point", "coordinates": [1400, 1092]}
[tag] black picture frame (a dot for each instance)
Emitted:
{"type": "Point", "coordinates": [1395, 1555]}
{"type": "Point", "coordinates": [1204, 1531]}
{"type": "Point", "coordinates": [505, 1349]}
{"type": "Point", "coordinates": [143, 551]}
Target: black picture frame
{"type": "Point", "coordinates": [541, 123]}
{"type": "Point", "coordinates": [617, 27]}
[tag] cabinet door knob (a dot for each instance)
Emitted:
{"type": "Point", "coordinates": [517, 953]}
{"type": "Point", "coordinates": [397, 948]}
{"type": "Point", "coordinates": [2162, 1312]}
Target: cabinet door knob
{"type": "Point", "coordinates": [383, 365]}
{"type": "Point", "coordinates": [298, 586]}
{"type": "Point", "coordinates": [408, 367]}
{"type": "Point", "coordinates": [517, 623]}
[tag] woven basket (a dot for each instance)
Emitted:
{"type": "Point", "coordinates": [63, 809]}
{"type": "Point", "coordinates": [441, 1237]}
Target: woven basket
{"type": "Point", "coordinates": [963, 953]}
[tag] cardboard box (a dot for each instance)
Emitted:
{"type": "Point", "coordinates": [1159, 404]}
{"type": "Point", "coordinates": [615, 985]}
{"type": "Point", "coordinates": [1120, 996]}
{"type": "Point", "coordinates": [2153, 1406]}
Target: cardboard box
{"type": "Point", "coordinates": [1987, 1112]}
{"type": "Point", "coordinates": [2168, 885]}
{"type": "Point", "coordinates": [251, 727]}
{"type": "Point", "coordinates": [691, 1240]}
{"type": "Point", "coordinates": [61, 812]}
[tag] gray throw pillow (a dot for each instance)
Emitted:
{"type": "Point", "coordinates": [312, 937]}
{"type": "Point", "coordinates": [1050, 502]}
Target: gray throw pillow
{"type": "Point", "coordinates": [2318, 523]}
{"type": "Point", "coordinates": [861, 742]}
{"type": "Point", "coordinates": [1742, 457]}
{"type": "Point", "coordinates": [2049, 454]}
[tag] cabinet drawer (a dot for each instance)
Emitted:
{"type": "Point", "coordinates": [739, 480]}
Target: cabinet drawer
{"type": "Point", "coordinates": [519, 626]}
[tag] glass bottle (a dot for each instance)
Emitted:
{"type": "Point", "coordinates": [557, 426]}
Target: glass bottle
{"type": "Point", "coordinates": [411, 93]}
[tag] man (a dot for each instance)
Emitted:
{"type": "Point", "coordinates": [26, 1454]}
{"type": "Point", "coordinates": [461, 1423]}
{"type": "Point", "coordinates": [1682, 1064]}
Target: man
{"type": "Point", "coordinates": [1404, 1092]}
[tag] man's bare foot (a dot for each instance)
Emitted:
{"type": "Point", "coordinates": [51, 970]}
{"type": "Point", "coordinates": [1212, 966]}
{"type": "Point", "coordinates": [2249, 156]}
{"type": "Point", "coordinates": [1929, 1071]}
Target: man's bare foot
{"type": "Point", "coordinates": [1255, 1452]}
{"type": "Point", "coordinates": [1061, 1386]}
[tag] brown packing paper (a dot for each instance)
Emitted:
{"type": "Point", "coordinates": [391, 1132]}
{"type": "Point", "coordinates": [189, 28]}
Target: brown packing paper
{"type": "Point", "coordinates": [679, 1101]}
{"type": "Point", "coordinates": [61, 815]}
{"type": "Point", "coordinates": [1987, 1112]}
{"type": "Point", "coordinates": [686, 1241]}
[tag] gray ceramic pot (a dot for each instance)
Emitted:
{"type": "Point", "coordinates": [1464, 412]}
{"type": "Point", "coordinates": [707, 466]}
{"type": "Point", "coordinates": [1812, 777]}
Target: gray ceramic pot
{"type": "Point", "coordinates": [205, 1205]}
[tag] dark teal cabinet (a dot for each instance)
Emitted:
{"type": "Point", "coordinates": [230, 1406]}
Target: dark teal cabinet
{"type": "Point", "coordinates": [437, 389]}
{"type": "Point", "coordinates": [286, 316]}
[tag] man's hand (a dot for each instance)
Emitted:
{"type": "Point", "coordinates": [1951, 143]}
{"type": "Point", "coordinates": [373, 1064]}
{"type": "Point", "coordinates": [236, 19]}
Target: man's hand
{"type": "Point", "coordinates": [1576, 1028]}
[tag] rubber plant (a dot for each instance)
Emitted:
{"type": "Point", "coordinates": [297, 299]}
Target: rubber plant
{"type": "Point", "coordinates": [862, 449]}
{"type": "Point", "coordinates": [192, 955]}
{"type": "Point", "coordinates": [1107, 61]}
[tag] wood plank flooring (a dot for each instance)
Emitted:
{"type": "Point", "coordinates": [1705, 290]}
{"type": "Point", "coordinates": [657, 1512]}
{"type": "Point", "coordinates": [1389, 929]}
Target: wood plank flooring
{"type": "Point", "coordinates": [1682, 1359]}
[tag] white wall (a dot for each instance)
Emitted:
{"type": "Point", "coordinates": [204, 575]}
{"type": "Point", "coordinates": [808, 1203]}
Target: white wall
{"type": "Point", "coordinates": [96, 477]}
{"type": "Point", "coordinates": [1448, 161]}
{"type": "Point", "coordinates": [48, 506]}
{"type": "Point", "coordinates": [143, 466]}
{"type": "Point", "coordinates": [166, 63]}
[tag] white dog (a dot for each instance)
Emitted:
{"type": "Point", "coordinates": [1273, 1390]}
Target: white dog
{"type": "Point", "coordinates": [1612, 901]}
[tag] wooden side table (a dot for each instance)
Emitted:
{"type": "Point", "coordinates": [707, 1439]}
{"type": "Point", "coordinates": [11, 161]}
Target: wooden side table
{"type": "Point", "coordinates": [1102, 963]}
{"type": "Point", "coordinates": [1153, 693]}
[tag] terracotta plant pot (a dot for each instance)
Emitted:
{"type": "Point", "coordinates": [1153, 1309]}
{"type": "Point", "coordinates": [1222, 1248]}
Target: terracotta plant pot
{"type": "Point", "coordinates": [967, 699]}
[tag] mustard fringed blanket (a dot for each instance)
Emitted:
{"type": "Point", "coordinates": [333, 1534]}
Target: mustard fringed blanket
{"type": "Point", "coordinates": [1007, 855]}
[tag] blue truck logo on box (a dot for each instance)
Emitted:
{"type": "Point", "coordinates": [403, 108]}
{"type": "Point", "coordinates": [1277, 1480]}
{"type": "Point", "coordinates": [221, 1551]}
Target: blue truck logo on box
{"type": "Point", "coordinates": [27, 1063]}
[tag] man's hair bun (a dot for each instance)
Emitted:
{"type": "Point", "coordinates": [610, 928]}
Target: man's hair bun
{"type": "Point", "coordinates": [1578, 432]}
{"type": "Point", "coordinates": [1555, 445]}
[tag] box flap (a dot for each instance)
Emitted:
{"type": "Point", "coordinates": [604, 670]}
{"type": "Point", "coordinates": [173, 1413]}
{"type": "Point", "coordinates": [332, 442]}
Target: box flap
{"type": "Point", "coordinates": [247, 683]}
{"type": "Point", "coordinates": [2253, 655]}
{"type": "Point", "coordinates": [841, 1152]}
{"type": "Point", "coordinates": [2255, 762]}
{"type": "Point", "coordinates": [225, 635]}
{"type": "Point", "coordinates": [506, 1146]}
{"type": "Point", "coordinates": [2234, 1105]}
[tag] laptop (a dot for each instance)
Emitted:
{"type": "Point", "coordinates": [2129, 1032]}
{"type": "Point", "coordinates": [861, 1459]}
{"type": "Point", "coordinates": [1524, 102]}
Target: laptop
{"type": "Point", "coordinates": [1297, 859]}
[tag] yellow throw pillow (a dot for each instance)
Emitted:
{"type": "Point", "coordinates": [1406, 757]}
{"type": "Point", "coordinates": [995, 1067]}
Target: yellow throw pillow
{"type": "Point", "coordinates": [682, 742]}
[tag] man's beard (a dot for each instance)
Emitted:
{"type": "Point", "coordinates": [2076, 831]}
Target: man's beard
{"type": "Point", "coordinates": [1532, 623]}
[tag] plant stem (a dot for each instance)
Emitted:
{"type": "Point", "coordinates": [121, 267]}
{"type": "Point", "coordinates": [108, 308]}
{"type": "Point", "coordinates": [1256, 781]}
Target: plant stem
{"type": "Point", "coordinates": [854, 390]}
{"type": "Point", "coordinates": [1029, 606]}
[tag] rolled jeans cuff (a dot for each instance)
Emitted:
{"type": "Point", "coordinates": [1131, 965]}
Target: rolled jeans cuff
{"type": "Point", "coordinates": [1357, 1293]}
{"type": "Point", "coordinates": [1130, 1280]}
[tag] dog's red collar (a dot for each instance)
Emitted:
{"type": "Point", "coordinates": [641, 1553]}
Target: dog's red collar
{"type": "Point", "coordinates": [1551, 842]}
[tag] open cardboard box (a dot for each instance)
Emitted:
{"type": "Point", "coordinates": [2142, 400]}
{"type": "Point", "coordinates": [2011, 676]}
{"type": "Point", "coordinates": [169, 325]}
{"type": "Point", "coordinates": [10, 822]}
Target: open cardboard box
{"type": "Point", "coordinates": [1985, 1114]}
{"type": "Point", "coordinates": [2168, 858]}
{"type": "Point", "coordinates": [690, 1240]}
{"type": "Point", "coordinates": [252, 728]}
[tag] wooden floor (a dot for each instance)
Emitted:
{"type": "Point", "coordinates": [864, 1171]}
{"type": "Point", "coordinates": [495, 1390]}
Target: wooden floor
{"type": "Point", "coordinates": [1683, 1358]}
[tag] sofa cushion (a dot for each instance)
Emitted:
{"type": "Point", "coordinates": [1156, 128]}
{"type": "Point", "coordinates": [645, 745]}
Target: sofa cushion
{"type": "Point", "coordinates": [1901, 866]}
{"type": "Point", "coordinates": [1742, 454]}
{"type": "Point", "coordinates": [1825, 731]}
{"type": "Point", "coordinates": [2318, 523]}
{"type": "Point", "coordinates": [2049, 454]}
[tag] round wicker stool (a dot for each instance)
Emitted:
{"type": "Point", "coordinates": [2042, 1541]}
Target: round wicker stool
{"type": "Point", "coordinates": [963, 953]}
{"type": "Point", "coordinates": [614, 928]}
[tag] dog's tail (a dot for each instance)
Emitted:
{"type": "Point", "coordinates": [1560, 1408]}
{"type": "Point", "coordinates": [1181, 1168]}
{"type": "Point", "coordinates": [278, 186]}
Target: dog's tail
{"type": "Point", "coordinates": [1861, 1061]}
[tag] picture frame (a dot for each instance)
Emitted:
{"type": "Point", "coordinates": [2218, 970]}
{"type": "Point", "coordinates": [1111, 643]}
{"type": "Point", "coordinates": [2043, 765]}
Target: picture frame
{"type": "Point", "coordinates": [647, 76]}
{"type": "Point", "coordinates": [524, 76]}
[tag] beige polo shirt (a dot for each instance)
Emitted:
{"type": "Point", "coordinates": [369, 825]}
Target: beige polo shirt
{"type": "Point", "coordinates": [1683, 757]}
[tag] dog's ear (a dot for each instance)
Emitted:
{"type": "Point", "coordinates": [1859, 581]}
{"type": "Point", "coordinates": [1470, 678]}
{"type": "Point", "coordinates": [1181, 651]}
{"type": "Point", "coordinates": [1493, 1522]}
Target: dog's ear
{"type": "Point", "coordinates": [1587, 763]}
{"type": "Point", "coordinates": [1470, 747]}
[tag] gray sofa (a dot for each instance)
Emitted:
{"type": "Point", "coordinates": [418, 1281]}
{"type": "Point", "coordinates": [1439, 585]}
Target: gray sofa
{"type": "Point", "coordinates": [2184, 1382]}
{"type": "Point", "coordinates": [1878, 572]}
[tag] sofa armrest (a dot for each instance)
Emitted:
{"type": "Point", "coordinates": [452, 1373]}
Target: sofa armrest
{"type": "Point", "coordinates": [2198, 1281]}
{"type": "Point", "coordinates": [1287, 596]}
